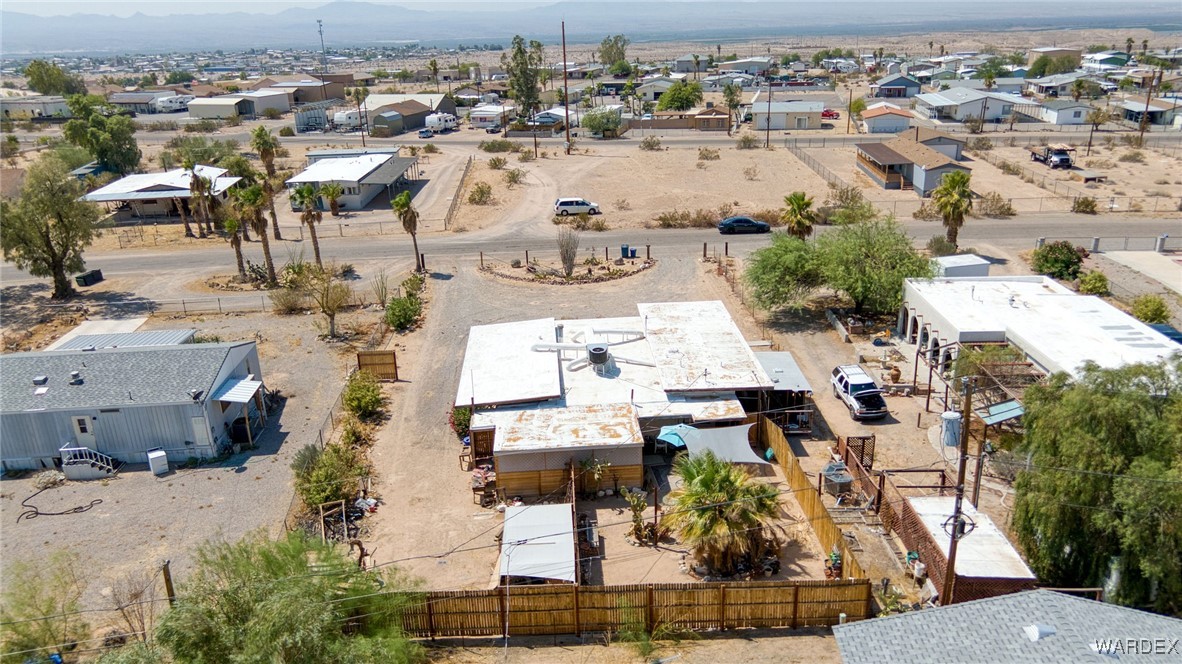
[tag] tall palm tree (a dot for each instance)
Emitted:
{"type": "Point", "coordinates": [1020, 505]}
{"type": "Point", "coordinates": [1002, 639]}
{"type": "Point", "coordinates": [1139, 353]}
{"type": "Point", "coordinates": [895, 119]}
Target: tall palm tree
{"type": "Point", "coordinates": [931, 45]}
{"type": "Point", "coordinates": [409, 217]}
{"type": "Point", "coordinates": [954, 200]}
{"type": "Point", "coordinates": [262, 142]}
{"type": "Point", "coordinates": [235, 239]}
{"type": "Point", "coordinates": [332, 193]}
{"type": "Point", "coordinates": [720, 512]}
{"type": "Point", "coordinates": [433, 66]}
{"type": "Point", "coordinates": [271, 188]}
{"type": "Point", "coordinates": [308, 200]}
{"type": "Point", "coordinates": [249, 203]}
{"type": "Point", "coordinates": [798, 214]}
{"type": "Point", "coordinates": [1144, 47]}
{"type": "Point", "coordinates": [1129, 46]}
{"type": "Point", "coordinates": [697, 59]}
{"type": "Point", "coordinates": [198, 191]}
{"type": "Point", "coordinates": [208, 203]}
{"type": "Point", "coordinates": [180, 208]}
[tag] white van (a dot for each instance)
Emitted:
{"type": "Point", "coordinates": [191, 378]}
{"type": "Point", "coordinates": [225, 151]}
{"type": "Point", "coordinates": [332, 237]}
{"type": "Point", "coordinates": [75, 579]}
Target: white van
{"type": "Point", "coordinates": [442, 122]}
{"type": "Point", "coordinates": [565, 206]}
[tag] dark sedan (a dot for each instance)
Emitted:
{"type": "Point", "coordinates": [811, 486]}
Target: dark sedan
{"type": "Point", "coordinates": [732, 225]}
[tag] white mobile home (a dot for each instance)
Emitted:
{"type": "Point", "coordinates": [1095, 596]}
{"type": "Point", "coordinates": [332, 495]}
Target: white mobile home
{"type": "Point", "coordinates": [363, 174]}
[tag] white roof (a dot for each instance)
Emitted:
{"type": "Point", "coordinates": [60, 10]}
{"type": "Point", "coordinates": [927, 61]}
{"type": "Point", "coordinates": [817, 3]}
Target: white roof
{"type": "Point", "coordinates": [169, 184]}
{"type": "Point", "coordinates": [697, 347]}
{"type": "Point", "coordinates": [539, 541]}
{"type": "Point", "coordinates": [984, 552]}
{"type": "Point", "coordinates": [957, 96]}
{"type": "Point", "coordinates": [216, 101]}
{"type": "Point", "coordinates": [1056, 328]}
{"type": "Point", "coordinates": [788, 107]}
{"type": "Point", "coordinates": [237, 390]}
{"type": "Point", "coordinates": [259, 93]}
{"type": "Point", "coordinates": [340, 169]}
{"type": "Point", "coordinates": [500, 367]}
{"type": "Point", "coordinates": [961, 260]}
{"type": "Point", "coordinates": [555, 427]}
{"type": "Point", "coordinates": [493, 110]}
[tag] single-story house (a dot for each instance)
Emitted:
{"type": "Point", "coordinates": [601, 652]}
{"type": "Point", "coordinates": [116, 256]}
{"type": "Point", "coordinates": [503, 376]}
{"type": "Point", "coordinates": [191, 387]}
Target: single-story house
{"type": "Point", "coordinates": [757, 66]}
{"type": "Point", "coordinates": [885, 120]}
{"type": "Point", "coordinates": [363, 174]}
{"type": "Point", "coordinates": [1053, 52]}
{"type": "Point", "coordinates": [685, 64]}
{"type": "Point", "coordinates": [33, 106]}
{"type": "Point", "coordinates": [905, 163]}
{"type": "Point", "coordinates": [91, 410]}
{"type": "Point", "coordinates": [946, 144]}
{"type": "Point", "coordinates": [958, 104]}
{"type": "Point", "coordinates": [558, 114]}
{"type": "Point", "coordinates": [138, 102]}
{"type": "Point", "coordinates": [491, 114]}
{"type": "Point", "coordinates": [652, 89]}
{"type": "Point", "coordinates": [1058, 111]}
{"type": "Point", "coordinates": [895, 86]}
{"type": "Point", "coordinates": [1032, 626]}
{"type": "Point", "coordinates": [719, 81]}
{"type": "Point", "coordinates": [219, 108]}
{"type": "Point", "coordinates": [162, 194]}
{"type": "Point", "coordinates": [784, 115]}
{"type": "Point", "coordinates": [1104, 60]}
{"type": "Point", "coordinates": [305, 91]}
{"type": "Point", "coordinates": [1006, 84]}
{"type": "Point", "coordinates": [1057, 85]}
{"type": "Point", "coordinates": [712, 119]}
{"type": "Point", "coordinates": [262, 100]}
{"type": "Point", "coordinates": [435, 103]}
{"type": "Point", "coordinates": [1161, 111]}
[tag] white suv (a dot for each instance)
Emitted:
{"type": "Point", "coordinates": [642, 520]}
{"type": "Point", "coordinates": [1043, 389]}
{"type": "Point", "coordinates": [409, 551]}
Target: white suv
{"type": "Point", "coordinates": [858, 391]}
{"type": "Point", "coordinates": [565, 206]}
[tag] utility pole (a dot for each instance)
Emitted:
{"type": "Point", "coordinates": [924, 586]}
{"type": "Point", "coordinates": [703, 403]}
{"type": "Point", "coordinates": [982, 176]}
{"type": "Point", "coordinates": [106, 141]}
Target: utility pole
{"type": "Point", "coordinates": [767, 141]}
{"type": "Point", "coordinates": [957, 529]}
{"type": "Point", "coordinates": [323, 67]}
{"type": "Point", "coordinates": [168, 589]}
{"type": "Point", "coordinates": [849, 113]}
{"type": "Point", "coordinates": [1149, 95]}
{"type": "Point", "coordinates": [565, 90]}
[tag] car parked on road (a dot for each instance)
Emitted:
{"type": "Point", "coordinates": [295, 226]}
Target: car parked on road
{"type": "Point", "coordinates": [494, 129]}
{"type": "Point", "coordinates": [858, 391]}
{"type": "Point", "coordinates": [732, 225]}
{"type": "Point", "coordinates": [565, 206]}
{"type": "Point", "coordinates": [426, 133]}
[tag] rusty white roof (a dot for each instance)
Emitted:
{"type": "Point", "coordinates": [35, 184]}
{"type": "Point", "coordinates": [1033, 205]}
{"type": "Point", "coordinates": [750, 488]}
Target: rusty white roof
{"type": "Point", "coordinates": [697, 347]}
{"type": "Point", "coordinates": [541, 428]}
{"type": "Point", "coordinates": [984, 552]}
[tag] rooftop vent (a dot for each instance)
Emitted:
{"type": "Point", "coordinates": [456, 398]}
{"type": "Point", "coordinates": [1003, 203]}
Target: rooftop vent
{"type": "Point", "coordinates": [75, 378]}
{"type": "Point", "coordinates": [40, 380]}
{"type": "Point", "coordinates": [598, 353]}
{"type": "Point", "coordinates": [1038, 632]}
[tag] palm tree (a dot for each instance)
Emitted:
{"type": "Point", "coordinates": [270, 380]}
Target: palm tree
{"type": "Point", "coordinates": [185, 218]}
{"type": "Point", "coordinates": [931, 45]}
{"type": "Point", "coordinates": [697, 59]}
{"type": "Point", "coordinates": [198, 191]}
{"type": "Point", "coordinates": [989, 80]}
{"type": "Point", "coordinates": [231, 226]}
{"type": "Point", "coordinates": [262, 142]}
{"type": "Point", "coordinates": [954, 200]}
{"type": "Point", "coordinates": [307, 199]}
{"type": "Point", "coordinates": [719, 511]}
{"type": "Point", "coordinates": [208, 203]}
{"type": "Point", "coordinates": [433, 67]}
{"type": "Point", "coordinates": [332, 193]}
{"type": "Point", "coordinates": [798, 215]}
{"type": "Point", "coordinates": [271, 188]}
{"type": "Point", "coordinates": [1078, 87]}
{"type": "Point", "coordinates": [249, 203]}
{"type": "Point", "coordinates": [1144, 47]}
{"type": "Point", "coordinates": [1129, 46]}
{"type": "Point", "coordinates": [409, 217]}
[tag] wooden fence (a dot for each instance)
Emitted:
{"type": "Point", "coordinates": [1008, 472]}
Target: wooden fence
{"type": "Point", "coordinates": [383, 364]}
{"type": "Point", "coordinates": [805, 491]}
{"type": "Point", "coordinates": [571, 609]}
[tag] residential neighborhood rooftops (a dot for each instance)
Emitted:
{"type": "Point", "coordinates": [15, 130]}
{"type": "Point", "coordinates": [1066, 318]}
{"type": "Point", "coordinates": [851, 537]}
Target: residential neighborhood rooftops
{"type": "Point", "coordinates": [1060, 104]}
{"type": "Point", "coordinates": [885, 110]}
{"type": "Point", "coordinates": [698, 347]}
{"type": "Point", "coordinates": [359, 168]}
{"type": "Point", "coordinates": [917, 153]}
{"type": "Point", "coordinates": [500, 367]}
{"type": "Point", "coordinates": [958, 96]}
{"type": "Point", "coordinates": [584, 427]}
{"type": "Point", "coordinates": [169, 184]}
{"type": "Point", "coordinates": [431, 101]}
{"type": "Point", "coordinates": [784, 371]}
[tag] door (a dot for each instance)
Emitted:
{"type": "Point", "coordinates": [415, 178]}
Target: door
{"type": "Point", "coordinates": [802, 122]}
{"type": "Point", "coordinates": [83, 430]}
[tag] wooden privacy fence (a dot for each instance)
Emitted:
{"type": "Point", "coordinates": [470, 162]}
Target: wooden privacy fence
{"type": "Point", "coordinates": [571, 609]}
{"type": "Point", "coordinates": [810, 502]}
{"type": "Point", "coordinates": [383, 364]}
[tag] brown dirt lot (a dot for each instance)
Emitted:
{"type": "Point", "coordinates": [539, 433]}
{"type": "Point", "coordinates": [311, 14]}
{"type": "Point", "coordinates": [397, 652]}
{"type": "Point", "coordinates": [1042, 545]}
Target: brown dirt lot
{"type": "Point", "coordinates": [1156, 175]}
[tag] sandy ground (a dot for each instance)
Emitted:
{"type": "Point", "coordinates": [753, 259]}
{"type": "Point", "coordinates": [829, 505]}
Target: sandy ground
{"type": "Point", "coordinates": [1157, 175]}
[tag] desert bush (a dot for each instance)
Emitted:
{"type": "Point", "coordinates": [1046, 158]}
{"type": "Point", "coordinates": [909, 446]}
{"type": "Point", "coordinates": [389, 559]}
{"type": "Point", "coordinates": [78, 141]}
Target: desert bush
{"type": "Point", "coordinates": [622, 204]}
{"type": "Point", "coordinates": [412, 286]}
{"type": "Point", "coordinates": [430, 148]}
{"type": "Point", "coordinates": [525, 156]}
{"type": "Point", "coordinates": [751, 173]}
{"type": "Point", "coordinates": [160, 125]}
{"type": "Point", "coordinates": [497, 163]}
{"type": "Point", "coordinates": [354, 433]}
{"type": "Point", "coordinates": [514, 176]}
{"type": "Point", "coordinates": [700, 218]}
{"type": "Point", "coordinates": [1061, 260]}
{"type": "Point", "coordinates": [1157, 193]}
{"type": "Point", "coordinates": [1132, 140]}
{"type": "Point", "coordinates": [363, 397]}
{"type": "Point", "coordinates": [481, 194]}
{"type": "Point", "coordinates": [708, 154]}
{"type": "Point", "coordinates": [701, 165]}
{"type": "Point", "coordinates": [770, 216]}
{"type": "Point", "coordinates": [332, 476]}
{"type": "Point", "coordinates": [460, 419]}
{"type": "Point", "coordinates": [1084, 205]}
{"type": "Point", "coordinates": [1161, 181]}
{"type": "Point", "coordinates": [288, 300]}
{"type": "Point", "coordinates": [980, 144]}
{"type": "Point", "coordinates": [940, 246]}
{"type": "Point", "coordinates": [1100, 163]}
{"type": "Point", "coordinates": [203, 126]}
{"type": "Point", "coordinates": [272, 113]}
{"type": "Point", "coordinates": [234, 121]}
{"type": "Point", "coordinates": [1093, 283]}
{"type": "Point", "coordinates": [1010, 168]}
{"type": "Point", "coordinates": [598, 225]}
{"type": "Point", "coordinates": [650, 144]}
{"type": "Point", "coordinates": [403, 312]}
{"type": "Point", "coordinates": [1132, 157]}
{"type": "Point", "coordinates": [516, 262]}
{"type": "Point", "coordinates": [927, 212]}
{"type": "Point", "coordinates": [497, 145]}
{"type": "Point", "coordinates": [993, 205]}
{"type": "Point", "coordinates": [747, 142]}
{"type": "Point", "coordinates": [1150, 308]}
{"type": "Point", "coordinates": [286, 131]}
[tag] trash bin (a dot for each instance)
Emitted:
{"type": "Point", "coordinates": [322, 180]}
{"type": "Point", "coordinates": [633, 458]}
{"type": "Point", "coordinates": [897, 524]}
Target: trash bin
{"type": "Point", "coordinates": [157, 461]}
{"type": "Point", "coordinates": [89, 278]}
{"type": "Point", "coordinates": [623, 251]}
{"type": "Point", "coordinates": [632, 252]}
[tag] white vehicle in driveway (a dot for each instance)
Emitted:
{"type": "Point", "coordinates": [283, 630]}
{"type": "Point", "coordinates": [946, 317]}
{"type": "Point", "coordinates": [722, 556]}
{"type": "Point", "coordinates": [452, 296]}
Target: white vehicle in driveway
{"type": "Point", "coordinates": [858, 391]}
{"type": "Point", "coordinates": [565, 206]}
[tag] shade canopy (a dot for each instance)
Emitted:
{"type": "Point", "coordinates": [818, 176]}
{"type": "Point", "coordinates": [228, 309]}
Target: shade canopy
{"type": "Point", "coordinates": [727, 443]}
{"type": "Point", "coordinates": [1000, 412]}
{"type": "Point", "coordinates": [237, 390]}
{"type": "Point", "coordinates": [539, 542]}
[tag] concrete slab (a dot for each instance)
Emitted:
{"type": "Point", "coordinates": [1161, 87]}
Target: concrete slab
{"type": "Point", "coordinates": [1166, 268]}
{"type": "Point", "coordinates": [100, 326]}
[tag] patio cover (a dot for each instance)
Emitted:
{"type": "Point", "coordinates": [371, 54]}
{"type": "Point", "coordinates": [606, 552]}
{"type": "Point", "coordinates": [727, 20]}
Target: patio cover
{"type": "Point", "coordinates": [237, 390]}
{"type": "Point", "coordinates": [1000, 412]}
{"type": "Point", "coordinates": [539, 542]}
{"type": "Point", "coordinates": [727, 443]}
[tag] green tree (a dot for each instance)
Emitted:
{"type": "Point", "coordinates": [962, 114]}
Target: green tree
{"type": "Point", "coordinates": [265, 145]}
{"type": "Point", "coordinates": [681, 96]}
{"type": "Point", "coordinates": [857, 106]}
{"type": "Point", "coordinates": [1061, 260]}
{"type": "Point", "coordinates": [50, 79]}
{"type": "Point", "coordinates": [720, 511]}
{"type": "Point", "coordinates": [200, 150]}
{"type": "Point", "coordinates": [1101, 500]}
{"type": "Point", "coordinates": [40, 607]}
{"type": "Point", "coordinates": [109, 139]}
{"type": "Point", "coordinates": [601, 121]}
{"type": "Point", "coordinates": [239, 166]}
{"type": "Point", "coordinates": [732, 96]}
{"type": "Point", "coordinates": [249, 203]}
{"type": "Point", "coordinates": [994, 66]}
{"type": "Point", "coordinates": [798, 216]}
{"type": "Point", "coordinates": [332, 192]}
{"type": "Point", "coordinates": [433, 67]}
{"type": "Point", "coordinates": [234, 237]}
{"type": "Point", "coordinates": [784, 273]}
{"type": "Point", "coordinates": [620, 68]}
{"type": "Point", "coordinates": [405, 210]}
{"type": "Point", "coordinates": [1126, 84]}
{"type": "Point", "coordinates": [295, 600]}
{"type": "Point", "coordinates": [1150, 308]}
{"type": "Point", "coordinates": [521, 66]}
{"type": "Point", "coordinates": [308, 201]}
{"type": "Point", "coordinates": [1078, 88]}
{"type": "Point", "coordinates": [613, 49]}
{"type": "Point", "coordinates": [46, 228]}
{"type": "Point", "coordinates": [178, 77]}
{"type": "Point", "coordinates": [868, 262]}
{"type": "Point", "coordinates": [954, 200]}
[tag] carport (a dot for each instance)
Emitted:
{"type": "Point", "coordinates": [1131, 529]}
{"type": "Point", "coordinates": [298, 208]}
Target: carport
{"type": "Point", "coordinates": [538, 544]}
{"type": "Point", "coordinates": [243, 391]}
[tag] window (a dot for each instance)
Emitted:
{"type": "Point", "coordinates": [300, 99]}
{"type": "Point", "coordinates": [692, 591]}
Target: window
{"type": "Point", "coordinates": [83, 424]}
{"type": "Point", "coordinates": [1077, 114]}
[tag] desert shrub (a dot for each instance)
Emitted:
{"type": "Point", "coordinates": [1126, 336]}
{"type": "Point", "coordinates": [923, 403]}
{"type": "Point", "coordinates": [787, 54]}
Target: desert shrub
{"type": "Point", "coordinates": [751, 173]}
{"type": "Point", "coordinates": [497, 145]}
{"type": "Point", "coordinates": [481, 194]}
{"type": "Point", "coordinates": [1161, 181]}
{"type": "Point", "coordinates": [581, 221]}
{"type": "Point", "coordinates": [708, 154]}
{"type": "Point", "coordinates": [333, 476]}
{"type": "Point", "coordinates": [701, 165]}
{"type": "Point", "coordinates": [650, 144]}
{"type": "Point", "coordinates": [524, 156]}
{"type": "Point", "coordinates": [514, 176]}
{"type": "Point", "coordinates": [700, 218]}
{"type": "Point", "coordinates": [622, 204]}
{"type": "Point", "coordinates": [412, 286]}
{"type": "Point", "coordinates": [203, 126]}
{"type": "Point", "coordinates": [1060, 260]}
{"type": "Point", "coordinates": [305, 460]}
{"type": "Point", "coordinates": [940, 246]}
{"type": "Point", "coordinates": [403, 312]}
{"type": "Point", "coordinates": [234, 121]}
{"type": "Point", "coordinates": [1010, 168]}
{"type": "Point", "coordinates": [272, 113]}
{"type": "Point", "coordinates": [598, 225]}
{"type": "Point", "coordinates": [363, 397]}
{"type": "Point", "coordinates": [160, 125]}
{"type": "Point", "coordinates": [927, 212]}
{"type": "Point", "coordinates": [1132, 140]}
{"type": "Point", "coordinates": [993, 205]}
{"type": "Point", "coordinates": [1157, 193]}
{"type": "Point", "coordinates": [1132, 157]}
{"type": "Point", "coordinates": [1084, 205]}
{"type": "Point", "coordinates": [460, 420]}
{"type": "Point", "coordinates": [288, 300]}
{"type": "Point", "coordinates": [516, 262]}
{"type": "Point", "coordinates": [747, 142]}
{"type": "Point", "coordinates": [1093, 283]}
{"type": "Point", "coordinates": [497, 163]}
{"type": "Point", "coordinates": [770, 216]}
{"type": "Point", "coordinates": [353, 432]}
{"type": "Point", "coordinates": [980, 144]}
{"type": "Point", "coordinates": [1100, 163]}
{"type": "Point", "coordinates": [286, 131]}
{"type": "Point", "coordinates": [1150, 308]}
{"type": "Point", "coordinates": [430, 149]}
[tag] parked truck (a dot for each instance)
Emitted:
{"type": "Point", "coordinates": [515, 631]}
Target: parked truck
{"type": "Point", "coordinates": [1055, 156]}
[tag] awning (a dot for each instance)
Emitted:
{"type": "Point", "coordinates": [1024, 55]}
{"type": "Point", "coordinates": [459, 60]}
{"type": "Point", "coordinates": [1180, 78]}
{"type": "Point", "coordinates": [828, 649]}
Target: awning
{"type": "Point", "coordinates": [1000, 412]}
{"type": "Point", "coordinates": [237, 390]}
{"type": "Point", "coordinates": [539, 542]}
{"type": "Point", "coordinates": [727, 443]}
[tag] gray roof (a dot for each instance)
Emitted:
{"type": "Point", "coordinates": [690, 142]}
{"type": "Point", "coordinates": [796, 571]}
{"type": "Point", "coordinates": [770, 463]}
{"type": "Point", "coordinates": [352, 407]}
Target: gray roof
{"type": "Point", "coordinates": [126, 340]}
{"type": "Point", "coordinates": [785, 373]}
{"type": "Point", "coordinates": [993, 630]}
{"type": "Point", "coordinates": [389, 172]}
{"type": "Point", "coordinates": [156, 375]}
{"type": "Point", "coordinates": [1060, 104]}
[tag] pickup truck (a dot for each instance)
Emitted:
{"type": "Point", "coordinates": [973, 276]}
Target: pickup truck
{"type": "Point", "coordinates": [1055, 156]}
{"type": "Point", "coordinates": [830, 114]}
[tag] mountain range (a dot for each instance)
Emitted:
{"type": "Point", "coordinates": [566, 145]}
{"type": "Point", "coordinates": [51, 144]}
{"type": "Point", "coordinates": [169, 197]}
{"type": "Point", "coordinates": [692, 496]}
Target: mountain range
{"type": "Point", "coordinates": [350, 23]}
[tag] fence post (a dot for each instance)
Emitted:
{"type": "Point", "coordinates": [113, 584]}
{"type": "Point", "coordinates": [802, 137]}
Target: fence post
{"type": "Point", "coordinates": [795, 604]}
{"type": "Point", "coordinates": [574, 589]}
{"type": "Point", "coordinates": [722, 608]}
{"type": "Point", "coordinates": [648, 620]}
{"type": "Point", "coordinates": [219, 305]}
{"type": "Point", "coordinates": [504, 608]}
{"type": "Point", "coordinates": [183, 308]}
{"type": "Point", "coordinates": [430, 620]}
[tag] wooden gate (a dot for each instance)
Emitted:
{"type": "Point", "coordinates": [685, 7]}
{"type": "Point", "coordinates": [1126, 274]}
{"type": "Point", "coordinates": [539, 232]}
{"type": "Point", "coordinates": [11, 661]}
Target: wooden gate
{"type": "Point", "coordinates": [862, 449]}
{"type": "Point", "coordinates": [383, 364]}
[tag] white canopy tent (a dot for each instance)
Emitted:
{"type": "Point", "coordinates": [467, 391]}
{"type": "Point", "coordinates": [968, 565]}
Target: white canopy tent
{"type": "Point", "coordinates": [539, 542]}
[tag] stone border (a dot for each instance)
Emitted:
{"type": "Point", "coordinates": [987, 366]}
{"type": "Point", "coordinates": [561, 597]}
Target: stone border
{"type": "Point", "coordinates": [599, 279]}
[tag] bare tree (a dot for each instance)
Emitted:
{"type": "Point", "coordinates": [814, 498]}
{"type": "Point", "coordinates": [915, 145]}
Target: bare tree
{"type": "Point", "coordinates": [568, 249]}
{"type": "Point", "coordinates": [134, 597]}
{"type": "Point", "coordinates": [329, 294]}
{"type": "Point", "coordinates": [380, 285]}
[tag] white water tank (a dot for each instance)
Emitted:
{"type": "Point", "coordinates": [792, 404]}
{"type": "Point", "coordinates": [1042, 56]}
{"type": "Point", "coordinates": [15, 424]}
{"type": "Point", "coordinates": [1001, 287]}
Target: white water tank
{"type": "Point", "coordinates": [950, 428]}
{"type": "Point", "coordinates": [157, 461]}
